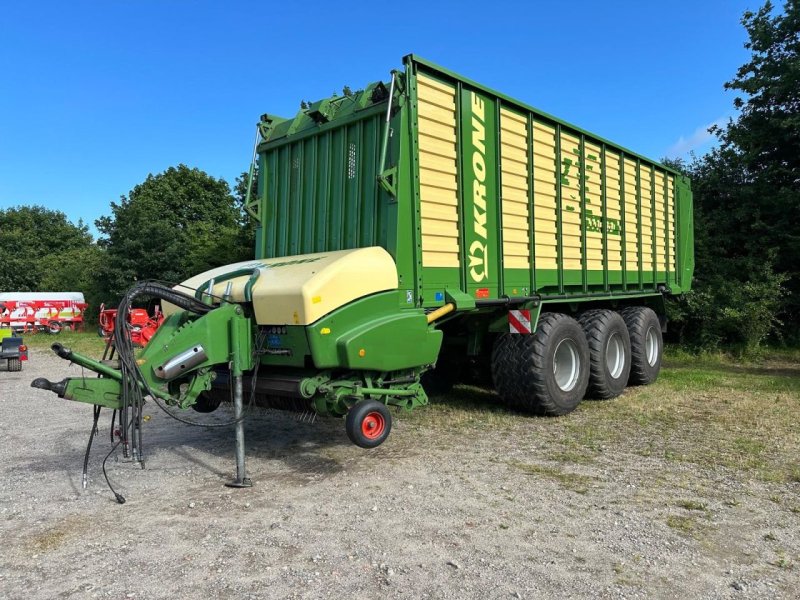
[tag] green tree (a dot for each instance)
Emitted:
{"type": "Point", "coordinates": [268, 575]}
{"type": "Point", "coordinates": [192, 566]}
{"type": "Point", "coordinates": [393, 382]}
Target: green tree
{"type": "Point", "coordinates": [747, 197]}
{"type": "Point", "coordinates": [35, 244]}
{"type": "Point", "coordinates": [247, 232]}
{"type": "Point", "coordinates": [173, 225]}
{"type": "Point", "coordinates": [79, 269]}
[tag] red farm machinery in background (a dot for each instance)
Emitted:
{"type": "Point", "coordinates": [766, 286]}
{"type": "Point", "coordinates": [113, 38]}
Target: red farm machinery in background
{"type": "Point", "coordinates": [142, 326]}
{"type": "Point", "coordinates": [50, 312]}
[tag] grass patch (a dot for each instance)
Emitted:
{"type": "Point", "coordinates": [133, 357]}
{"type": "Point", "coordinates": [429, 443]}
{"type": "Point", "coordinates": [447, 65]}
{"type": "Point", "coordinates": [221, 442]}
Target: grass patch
{"type": "Point", "coordinates": [682, 524]}
{"type": "Point", "coordinates": [692, 505]}
{"type": "Point", "coordinates": [570, 481]}
{"type": "Point", "coordinates": [466, 407]}
{"type": "Point", "coordinates": [709, 409]}
{"type": "Point", "coordinates": [88, 343]}
{"type": "Point", "coordinates": [572, 456]}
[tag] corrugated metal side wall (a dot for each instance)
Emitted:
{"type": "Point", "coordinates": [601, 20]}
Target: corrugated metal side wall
{"type": "Point", "coordinates": [321, 192]}
{"type": "Point", "coordinates": [572, 212]}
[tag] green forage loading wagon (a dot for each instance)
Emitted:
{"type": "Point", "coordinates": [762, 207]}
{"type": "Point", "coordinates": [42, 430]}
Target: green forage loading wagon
{"type": "Point", "coordinates": [420, 231]}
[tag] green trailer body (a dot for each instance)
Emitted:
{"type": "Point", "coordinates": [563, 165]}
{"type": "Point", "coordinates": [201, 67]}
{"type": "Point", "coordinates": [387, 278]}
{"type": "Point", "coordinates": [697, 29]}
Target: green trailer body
{"type": "Point", "coordinates": [472, 192]}
{"type": "Point", "coordinates": [419, 232]}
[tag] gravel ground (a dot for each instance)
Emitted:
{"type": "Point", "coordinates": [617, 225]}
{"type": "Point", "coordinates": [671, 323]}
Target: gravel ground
{"type": "Point", "coordinates": [470, 513]}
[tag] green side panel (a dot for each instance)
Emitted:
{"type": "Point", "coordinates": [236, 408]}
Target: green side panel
{"type": "Point", "coordinates": [403, 236]}
{"type": "Point", "coordinates": [390, 343]}
{"type": "Point", "coordinates": [285, 346]}
{"type": "Point", "coordinates": [685, 234]}
{"type": "Point", "coordinates": [479, 200]}
{"type": "Point", "coordinates": [390, 338]}
{"type": "Point", "coordinates": [318, 182]}
{"type": "Point", "coordinates": [517, 282]}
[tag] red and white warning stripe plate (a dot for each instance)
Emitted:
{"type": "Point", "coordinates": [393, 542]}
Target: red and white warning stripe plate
{"type": "Point", "coordinates": [519, 321]}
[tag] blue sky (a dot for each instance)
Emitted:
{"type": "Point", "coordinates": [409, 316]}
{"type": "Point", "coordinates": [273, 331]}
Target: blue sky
{"type": "Point", "coordinates": [94, 96]}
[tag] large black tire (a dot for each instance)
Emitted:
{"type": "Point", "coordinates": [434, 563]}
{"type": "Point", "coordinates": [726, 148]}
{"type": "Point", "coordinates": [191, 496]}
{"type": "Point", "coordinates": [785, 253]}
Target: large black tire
{"type": "Point", "coordinates": [14, 364]}
{"type": "Point", "coordinates": [546, 372]}
{"type": "Point", "coordinates": [368, 423]}
{"type": "Point", "coordinates": [647, 344]}
{"type": "Point", "coordinates": [609, 353]}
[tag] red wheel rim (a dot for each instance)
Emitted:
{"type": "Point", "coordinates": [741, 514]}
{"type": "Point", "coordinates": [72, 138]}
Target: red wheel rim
{"type": "Point", "coordinates": [373, 425]}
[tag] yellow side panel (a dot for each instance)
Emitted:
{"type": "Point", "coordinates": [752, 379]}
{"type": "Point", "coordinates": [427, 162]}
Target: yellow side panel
{"type": "Point", "coordinates": [671, 221]}
{"type": "Point", "coordinates": [544, 196]}
{"type": "Point", "coordinates": [438, 173]}
{"type": "Point", "coordinates": [570, 201]}
{"type": "Point", "coordinates": [646, 184]}
{"type": "Point", "coordinates": [613, 210]}
{"type": "Point", "coordinates": [631, 217]}
{"type": "Point", "coordinates": [593, 181]}
{"type": "Point", "coordinates": [660, 223]}
{"type": "Point", "coordinates": [299, 290]}
{"type": "Point", "coordinates": [514, 189]}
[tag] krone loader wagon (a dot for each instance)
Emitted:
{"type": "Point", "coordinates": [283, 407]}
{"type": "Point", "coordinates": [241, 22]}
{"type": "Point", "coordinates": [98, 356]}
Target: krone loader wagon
{"type": "Point", "coordinates": [422, 231]}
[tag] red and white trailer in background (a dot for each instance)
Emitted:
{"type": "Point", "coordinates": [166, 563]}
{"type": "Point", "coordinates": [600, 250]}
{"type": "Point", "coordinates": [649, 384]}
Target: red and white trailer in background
{"type": "Point", "coordinates": [42, 311]}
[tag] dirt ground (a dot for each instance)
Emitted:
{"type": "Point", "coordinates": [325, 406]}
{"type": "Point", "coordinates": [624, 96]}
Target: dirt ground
{"type": "Point", "coordinates": [437, 512]}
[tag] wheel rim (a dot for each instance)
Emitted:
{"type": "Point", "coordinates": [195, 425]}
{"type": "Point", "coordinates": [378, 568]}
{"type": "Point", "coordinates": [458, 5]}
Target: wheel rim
{"type": "Point", "coordinates": [615, 356]}
{"type": "Point", "coordinates": [651, 346]}
{"type": "Point", "coordinates": [566, 365]}
{"type": "Point", "coordinates": [373, 425]}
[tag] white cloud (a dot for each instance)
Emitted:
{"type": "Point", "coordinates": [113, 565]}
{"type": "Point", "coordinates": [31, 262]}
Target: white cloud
{"type": "Point", "coordinates": [699, 138]}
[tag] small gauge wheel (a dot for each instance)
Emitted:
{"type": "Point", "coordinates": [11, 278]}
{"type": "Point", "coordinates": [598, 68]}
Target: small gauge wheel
{"type": "Point", "coordinates": [368, 423]}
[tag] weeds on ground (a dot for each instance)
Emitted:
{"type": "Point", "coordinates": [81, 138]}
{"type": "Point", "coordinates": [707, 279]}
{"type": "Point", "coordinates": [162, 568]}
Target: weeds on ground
{"type": "Point", "coordinates": [692, 505]}
{"type": "Point", "coordinates": [571, 481]}
{"type": "Point", "coordinates": [708, 409]}
{"type": "Point", "coordinates": [682, 524]}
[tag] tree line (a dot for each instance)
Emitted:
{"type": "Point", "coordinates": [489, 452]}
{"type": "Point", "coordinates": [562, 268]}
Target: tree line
{"type": "Point", "coordinates": [169, 227]}
{"type": "Point", "coordinates": [746, 198]}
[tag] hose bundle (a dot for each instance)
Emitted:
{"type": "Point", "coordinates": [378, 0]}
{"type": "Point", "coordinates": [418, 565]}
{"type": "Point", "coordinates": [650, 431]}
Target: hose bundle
{"type": "Point", "coordinates": [133, 384]}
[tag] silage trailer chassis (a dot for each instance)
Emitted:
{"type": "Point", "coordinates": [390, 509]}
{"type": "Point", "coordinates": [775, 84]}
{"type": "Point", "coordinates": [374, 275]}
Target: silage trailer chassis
{"type": "Point", "coordinates": [423, 230]}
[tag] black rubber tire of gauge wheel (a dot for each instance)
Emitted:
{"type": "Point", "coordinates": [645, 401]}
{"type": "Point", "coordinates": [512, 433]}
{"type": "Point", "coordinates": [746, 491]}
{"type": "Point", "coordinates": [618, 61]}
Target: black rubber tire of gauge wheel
{"type": "Point", "coordinates": [522, 367]}
{"type": "Point", "coordinates": [206, 403]}
{"type": "Point", "coordinates": [368, 423]}
{"type": "Point", "coordinates": [54, 327]}
{"type": "Point", "coordinates": [600, 326]}
{"type": "Point", "coordinates": [14, 364]}
{"type": "Point", "coordinates": [640, 320]}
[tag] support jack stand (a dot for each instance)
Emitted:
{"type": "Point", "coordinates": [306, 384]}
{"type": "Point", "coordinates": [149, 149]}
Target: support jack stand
{"type": "Point", "coordinates": [241, 481]}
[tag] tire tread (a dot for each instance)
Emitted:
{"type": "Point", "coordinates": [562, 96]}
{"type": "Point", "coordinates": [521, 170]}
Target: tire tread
{"type": "Point", "coordinates": [518, 367]}
{"type": "Point", "coordinates": [636, 318]}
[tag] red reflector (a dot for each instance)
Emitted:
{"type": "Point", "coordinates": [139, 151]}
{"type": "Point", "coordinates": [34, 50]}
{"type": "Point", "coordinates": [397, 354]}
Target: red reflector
{"type": "Point", "coordinates": [482, 293]}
